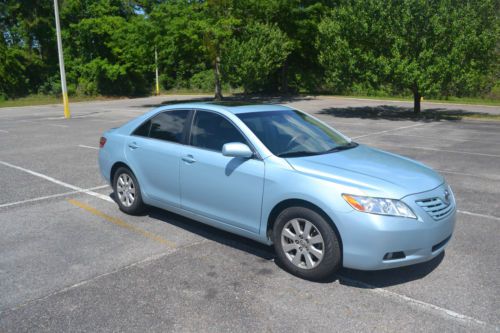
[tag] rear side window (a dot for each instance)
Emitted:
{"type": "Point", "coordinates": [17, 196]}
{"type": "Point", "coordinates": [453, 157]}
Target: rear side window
{"type": "Point", "coordinates": [211, 131]}
{"type": "Point", "coordinates": [143, 130]}
{"type": "Point", "coordinates": [167, 126]}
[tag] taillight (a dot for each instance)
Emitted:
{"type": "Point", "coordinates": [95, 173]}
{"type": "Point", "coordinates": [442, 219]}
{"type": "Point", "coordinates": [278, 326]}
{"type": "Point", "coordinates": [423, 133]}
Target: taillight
{"type": "Point", "coordinates": [102, 142]}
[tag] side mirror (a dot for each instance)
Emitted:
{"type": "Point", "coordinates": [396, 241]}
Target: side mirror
{"type": "Point", "coordinates": [236, 149]}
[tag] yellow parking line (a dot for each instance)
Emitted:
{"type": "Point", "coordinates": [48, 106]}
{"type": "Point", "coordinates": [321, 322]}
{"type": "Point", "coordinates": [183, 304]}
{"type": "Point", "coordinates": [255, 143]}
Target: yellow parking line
{"type": "Point", "coordinates": [122, 223]}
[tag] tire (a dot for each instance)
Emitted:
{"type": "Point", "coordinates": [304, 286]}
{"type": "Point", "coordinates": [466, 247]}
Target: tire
{"type": "Point", "coordinates": [128, 192]}
{"type": "Point", "coordinates": [312, 253]}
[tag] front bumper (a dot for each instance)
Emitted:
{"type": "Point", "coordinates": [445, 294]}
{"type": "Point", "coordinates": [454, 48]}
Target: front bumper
{"type": "Point", "coordinates": [369, 241]}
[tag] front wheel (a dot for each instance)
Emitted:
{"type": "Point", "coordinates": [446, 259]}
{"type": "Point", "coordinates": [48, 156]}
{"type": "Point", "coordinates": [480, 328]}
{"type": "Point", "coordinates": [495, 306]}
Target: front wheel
{"type": "Point", "coordinates": [306, 244]}
{"type": "Point", "coordinates": [127, 192]}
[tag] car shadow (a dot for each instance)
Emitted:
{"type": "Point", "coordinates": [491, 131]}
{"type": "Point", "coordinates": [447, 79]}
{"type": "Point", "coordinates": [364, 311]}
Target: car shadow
{"type": "Point", "coordinates": [395, 113]}
{"type": "Point", "coordinates": [388, 277]}
{"type": "Point", "coordinates": [347, 277]}
{"type": "Point", "coordinates": [220, 236]}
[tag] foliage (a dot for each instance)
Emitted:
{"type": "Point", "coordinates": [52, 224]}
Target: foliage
{"type": "Point", "coordinates": [261, 50]}
{"type": "Point", "coordinates": [432, 48]}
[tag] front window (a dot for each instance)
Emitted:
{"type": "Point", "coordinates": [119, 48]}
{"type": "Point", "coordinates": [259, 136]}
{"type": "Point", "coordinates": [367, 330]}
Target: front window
{"type": "Point", "coordinates": [212, 131]}
{"type": "Point", "coordinates": [292, 133]}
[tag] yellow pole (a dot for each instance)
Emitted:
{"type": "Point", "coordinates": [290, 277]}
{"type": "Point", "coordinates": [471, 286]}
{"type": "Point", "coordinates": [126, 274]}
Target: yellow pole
{"type": "Point", "coordinates": [67, 114]}
{"type": "Point", "coordinates": [157, 81]}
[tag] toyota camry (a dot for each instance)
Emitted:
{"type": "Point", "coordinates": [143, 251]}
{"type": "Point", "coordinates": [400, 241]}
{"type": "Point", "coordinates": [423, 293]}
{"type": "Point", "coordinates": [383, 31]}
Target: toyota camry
{"type": "Point", "coordinates": [280, 176]}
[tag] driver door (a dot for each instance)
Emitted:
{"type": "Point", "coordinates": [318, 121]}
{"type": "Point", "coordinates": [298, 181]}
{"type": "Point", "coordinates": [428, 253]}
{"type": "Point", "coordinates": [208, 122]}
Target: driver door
{"type": "Point", "coordinates": [226, 189]}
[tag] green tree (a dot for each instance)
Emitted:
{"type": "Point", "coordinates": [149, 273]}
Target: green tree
{"type": "Point", "coordinates": [258, 53]}
{"type": "Point", "coordinates": [106, 47]}
{"type": "Point", "coordinates": [433, 48]}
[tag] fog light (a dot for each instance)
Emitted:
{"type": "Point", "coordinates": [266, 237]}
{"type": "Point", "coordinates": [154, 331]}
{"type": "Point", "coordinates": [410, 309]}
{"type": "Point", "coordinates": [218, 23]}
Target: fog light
{"type": "Point", "coordinates": [394, 255]}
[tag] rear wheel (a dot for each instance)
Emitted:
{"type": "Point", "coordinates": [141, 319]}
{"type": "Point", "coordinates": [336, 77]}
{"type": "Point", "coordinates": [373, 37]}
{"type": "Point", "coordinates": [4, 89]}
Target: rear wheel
{"type": "Point", "coordinates": [127, 192]}
{"type": "Point", "coordinates": [306, 244]}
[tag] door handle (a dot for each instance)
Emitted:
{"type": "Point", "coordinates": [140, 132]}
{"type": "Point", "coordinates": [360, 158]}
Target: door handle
{"type": "Point", "coordinates": [133, 145]}
{"type": "Point", "coordinates": [188, 159]}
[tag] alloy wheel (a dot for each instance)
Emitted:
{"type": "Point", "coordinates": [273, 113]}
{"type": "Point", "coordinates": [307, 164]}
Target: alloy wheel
{"type": "Point", "coordinates": [302, 243]}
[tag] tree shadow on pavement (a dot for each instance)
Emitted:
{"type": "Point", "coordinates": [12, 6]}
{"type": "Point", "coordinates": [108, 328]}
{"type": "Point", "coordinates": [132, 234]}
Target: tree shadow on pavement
{"type": "Point", "coordinates": [234, 100]}
{"type": "Point", "coordinates": [391, 112]}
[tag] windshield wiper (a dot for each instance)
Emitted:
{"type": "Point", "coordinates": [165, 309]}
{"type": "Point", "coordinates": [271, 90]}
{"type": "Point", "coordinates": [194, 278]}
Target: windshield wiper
{"type": "Point", "coordinates": [310, 153]}
{"type": "Point", "coordinates": [349, 145]}
{"type": "Point", "coordinates": [297, 153]}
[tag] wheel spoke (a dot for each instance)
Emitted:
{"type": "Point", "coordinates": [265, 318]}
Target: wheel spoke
{"type": "Point", "coordinates": [297, 259]}
{"type": "Point", "coordinates": [316, 239]}
{"type": "Point", "coordinates": [309, 261]}
{"type": "Point", "coordinates": [289, 247]}
{"type": "Point", "coordinates": [315, 252]}
{"type": "Point", "coordinates": [288, 234]}
{"type": "Point", "coordinates": [296, 227]}
{"type": "Point", "coordinates": [307, 228]}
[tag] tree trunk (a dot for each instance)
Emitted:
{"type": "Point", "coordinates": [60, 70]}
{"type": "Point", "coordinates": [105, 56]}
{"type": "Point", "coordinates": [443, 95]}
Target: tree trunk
{"type": "Point", "coordinates": [284, 79]}
{"type": "Point", "coordinates": [416, 101]}
{"type": "Point", "coordinates": [218, 87]}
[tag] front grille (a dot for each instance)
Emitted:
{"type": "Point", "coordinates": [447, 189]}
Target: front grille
{"type": "Point", "coordinates": [436, 208]}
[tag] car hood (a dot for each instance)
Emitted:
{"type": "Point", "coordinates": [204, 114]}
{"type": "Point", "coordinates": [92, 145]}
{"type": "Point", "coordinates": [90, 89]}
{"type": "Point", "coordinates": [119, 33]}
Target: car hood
{"type": "Point", "coordinates": [369, 171]}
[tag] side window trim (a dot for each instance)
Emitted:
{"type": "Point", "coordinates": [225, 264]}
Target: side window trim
{"type": "Point", "coordinates": [185, 131]}
{"type": "Point", "coordinates": [190, 133]}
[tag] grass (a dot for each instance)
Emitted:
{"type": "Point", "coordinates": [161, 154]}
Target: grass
{"type": "Point", "coordinates": [450, 100]}
{"type": "Point", "coordinates": [45, 99]}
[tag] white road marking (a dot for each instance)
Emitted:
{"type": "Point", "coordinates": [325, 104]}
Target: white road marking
{"type": "Point", "coordinates": [89, 147]}
{"type": "Point", "coordinates": [424, 305]}
{"type": "Point", "coordinates": [4, 131]}
{"type": "Point", "coordinates": [58, 125]}
{"type": "Point", "coordinates": [388, 131]}
{"type": "Point", "coordinates": [466, 174]}
{"type": "Point", "coordinates": [443, 150]}
{"type": "Point", "coordinates": [407, 102]}
{"type": "Point", "coordinates": [58, 182]}
{"type": "Point", "coordinates": [479, 215]}
{"type": "Point", "coordinates": [51, 196]}
{"type": "Point", "coordinates": [442, 138]}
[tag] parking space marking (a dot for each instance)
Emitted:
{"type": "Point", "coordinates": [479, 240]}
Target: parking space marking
{"type": "Point", "coordinates": [466, 174]}
{"type": "Point", "coordinates": [424, 305]}
{"type": "Point", "coordinates": [46, 197]}
{"type": "Point", "coordinates": [479, 215]}
{"type": "Point", "coordinates": [58, 125]}
{"type": "Point", "coordinates": [441, 139]}
{"type": "Point", "coordinates": [443, 150]}
{"type": "Point", "coordinates": [123, 224]}
{"type": "Point", "coordinates": [58, 182]}
{"type": "Point", "coordinates": [388, 131]}
{"type": "Point", "coordinates": [89, 147]}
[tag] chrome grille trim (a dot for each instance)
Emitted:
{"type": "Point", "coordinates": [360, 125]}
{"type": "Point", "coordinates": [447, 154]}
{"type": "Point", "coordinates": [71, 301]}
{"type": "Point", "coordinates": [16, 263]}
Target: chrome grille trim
{"type": "Point", "coordinates": [435, 207]}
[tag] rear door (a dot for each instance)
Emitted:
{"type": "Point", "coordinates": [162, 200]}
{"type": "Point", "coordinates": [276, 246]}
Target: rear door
{"type": "Point", "coordinates": [224, 188]}
{"type": "Point", "coordinates": [154, 151]}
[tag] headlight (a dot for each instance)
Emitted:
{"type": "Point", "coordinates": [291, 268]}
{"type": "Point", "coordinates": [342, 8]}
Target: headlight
{"type": "Point", "coordinates": [380, 206]}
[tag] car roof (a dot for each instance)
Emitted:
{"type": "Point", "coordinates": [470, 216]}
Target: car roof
{"type": "Point", "coordinates": [230, 106]}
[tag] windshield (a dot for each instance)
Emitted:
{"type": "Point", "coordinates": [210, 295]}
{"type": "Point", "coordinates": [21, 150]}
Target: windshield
{"type": "Point", "coordinates": [292, 133]}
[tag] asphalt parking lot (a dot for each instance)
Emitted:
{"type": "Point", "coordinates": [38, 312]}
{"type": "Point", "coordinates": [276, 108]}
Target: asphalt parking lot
{"type": "Point", "coordinates": [71, 261]}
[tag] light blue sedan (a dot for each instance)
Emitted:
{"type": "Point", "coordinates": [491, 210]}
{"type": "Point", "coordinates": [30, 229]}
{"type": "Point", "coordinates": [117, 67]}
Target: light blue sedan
{"type": "Point", "coordinates": [282, 177]}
